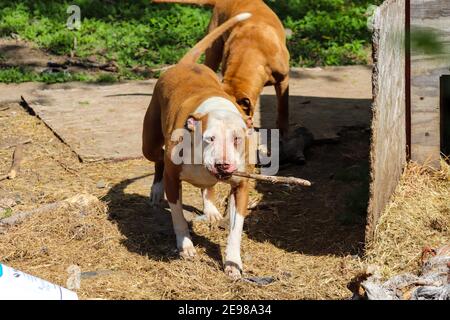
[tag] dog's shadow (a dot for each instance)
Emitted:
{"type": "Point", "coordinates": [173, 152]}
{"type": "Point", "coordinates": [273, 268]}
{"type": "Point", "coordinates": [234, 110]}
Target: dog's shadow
{"type": "Point", "coordinates": [148, 231]}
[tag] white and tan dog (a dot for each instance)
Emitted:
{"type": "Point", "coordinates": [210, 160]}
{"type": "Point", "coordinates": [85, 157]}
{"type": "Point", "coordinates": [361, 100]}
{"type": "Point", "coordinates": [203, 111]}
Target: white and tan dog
{"type": "Point", "coordinates": [189, 98]}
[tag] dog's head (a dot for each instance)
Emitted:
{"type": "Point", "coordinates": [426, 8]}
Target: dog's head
{"type": "Point", "coordinates": [223, 140]}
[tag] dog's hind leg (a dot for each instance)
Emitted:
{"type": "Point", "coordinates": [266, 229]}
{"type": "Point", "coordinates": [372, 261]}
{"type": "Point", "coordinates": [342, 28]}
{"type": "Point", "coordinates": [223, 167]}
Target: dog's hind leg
{"type": "Point", "coordinates": [157, 191]}
{"type": "Point", "coordinates": [282, 90]}
{"type": "Point", "coordinates": [152, 148]}
{"type": "Point", "coordinates": [213, 55]}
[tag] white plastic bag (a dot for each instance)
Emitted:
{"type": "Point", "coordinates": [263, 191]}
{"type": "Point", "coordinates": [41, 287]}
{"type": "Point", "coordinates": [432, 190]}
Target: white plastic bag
{"type": "Point", "coordinates": [17, 285]}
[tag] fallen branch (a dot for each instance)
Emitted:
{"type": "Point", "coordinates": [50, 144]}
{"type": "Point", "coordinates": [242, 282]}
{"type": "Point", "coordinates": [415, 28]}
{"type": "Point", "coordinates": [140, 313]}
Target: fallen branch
{"type": "Point", "coordinates": [14, 144]}
{"type": "Point", "coordinates": [162, 68]}
{"type": "Point", "coordinates": [274, 179]}
{"type": "Point", "coordinates": [81, 200]}
{"type": "Point", "coordinates": [109, 66]}
{"type": "Point", "coordinates": [17, 161]}
{"type": "Point", "coordinates": [21, 216]}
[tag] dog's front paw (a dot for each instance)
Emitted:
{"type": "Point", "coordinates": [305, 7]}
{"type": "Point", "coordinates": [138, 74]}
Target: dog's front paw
{"type": "Point", "coordinates": [188, 252]}
{"type": "Point", "coordinates": [212, 214]}
{"type": "Point", "coordinates": [156, 194]}
{"type": "Point", "coordinates": [186, 248]}
{"type": "Point", "coordinates": [233, 270]}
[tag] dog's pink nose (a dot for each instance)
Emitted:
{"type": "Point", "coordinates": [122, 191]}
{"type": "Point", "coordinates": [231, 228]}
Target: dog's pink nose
{"type": "Point", "coordinates": [225, 167]}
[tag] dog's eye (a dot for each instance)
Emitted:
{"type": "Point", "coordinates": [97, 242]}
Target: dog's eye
{"type": "Point", "coordinates": [210, 139]}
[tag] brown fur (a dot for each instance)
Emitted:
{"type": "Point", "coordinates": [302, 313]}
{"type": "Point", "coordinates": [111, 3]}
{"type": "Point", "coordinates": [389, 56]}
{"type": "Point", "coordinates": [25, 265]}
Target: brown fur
{"type": "Point", "coordinates": [177, 94]}
{"type": "Point", "coordinates": [253, 54]}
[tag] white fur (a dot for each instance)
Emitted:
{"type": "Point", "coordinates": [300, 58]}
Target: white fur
{"type": "Point", "coordinates": [216, 103]}
{"type": "Point", "coordinates": [233, 250]}
{"type": "Point", "coordinates": [209, 209]}
{"type": "Point", "coordinates": [180, 226]}
{"type": "Point", "coordinates": [224, 123]}
{"type": "Point", "coordinates": [243, 16]}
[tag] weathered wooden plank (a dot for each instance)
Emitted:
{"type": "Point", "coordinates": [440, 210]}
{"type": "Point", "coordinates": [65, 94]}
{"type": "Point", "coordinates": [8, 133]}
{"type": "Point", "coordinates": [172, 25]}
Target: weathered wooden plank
{"type": "Point", "coordinates": [426, 72]}
{"type": "Point", "coordinates": [445, 115]}
{"type": "Point", "coordinates": [97, 122]}
{"type": "Point", "coordinates": [388, 148]}
{"type": "Point", "coordinates": [421, 9]}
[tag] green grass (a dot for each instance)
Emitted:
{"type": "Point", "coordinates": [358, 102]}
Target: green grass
{"type": "Point", "coordinates": [106, 78]}
{"type": "Point", "coordinates": [138, 33]}
{"type": "Point", "coordinates": [6, 213]}
{"type": "Point", "coordinates": [19, 74]}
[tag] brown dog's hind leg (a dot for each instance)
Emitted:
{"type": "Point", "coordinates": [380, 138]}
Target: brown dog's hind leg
{"type": "Point", "coordinates": [157, 191]}
{"type": "Point", "coordinates": [213, 55]}
{"type": "Point", "coordinates": [152, 135]}
{"type": "Point", "coordinates": [152, 143]}
{"type": "Point", "coordinates": [282, 90]}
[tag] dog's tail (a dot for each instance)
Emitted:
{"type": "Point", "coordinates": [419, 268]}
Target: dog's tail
{"type": "Point", "coordinates": [194, 54]}
{"type": "Point", "coordinates": [198, 2]}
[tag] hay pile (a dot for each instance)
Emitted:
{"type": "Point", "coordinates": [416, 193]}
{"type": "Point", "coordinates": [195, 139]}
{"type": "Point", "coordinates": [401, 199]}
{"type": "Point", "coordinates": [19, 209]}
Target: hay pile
{"type": "Point", "coordinates": [127, 251]}
{"type": "Point", "coordinates": [418, 216]}
{"type": "Point", "coordinates": [47, 244]}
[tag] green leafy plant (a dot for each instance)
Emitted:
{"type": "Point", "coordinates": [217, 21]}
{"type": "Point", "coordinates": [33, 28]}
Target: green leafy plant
{"type": "Point", "coordinates": [139, 33]}
{"type": "Point", "coordinates": [19, 74]}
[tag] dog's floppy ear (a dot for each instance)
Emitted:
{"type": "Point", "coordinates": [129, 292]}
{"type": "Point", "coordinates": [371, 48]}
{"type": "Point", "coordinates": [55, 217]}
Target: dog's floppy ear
{"type": "Point", "coordinates": [193, 120]}
{"type": "Point", "coordinates": [245, 104]}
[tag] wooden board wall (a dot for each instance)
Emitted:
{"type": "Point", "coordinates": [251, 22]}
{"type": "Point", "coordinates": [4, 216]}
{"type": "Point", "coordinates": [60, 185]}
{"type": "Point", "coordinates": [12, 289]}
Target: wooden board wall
{"type": "Point", "coordinates": [432, 16]}
{"type": "Point", "coordinates": [388, 145]}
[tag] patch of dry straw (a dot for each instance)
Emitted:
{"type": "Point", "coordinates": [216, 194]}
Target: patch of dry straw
{"type": "Point", "coordinates": [417, 216]}
{"type": "Point", "coordinates": [47, 244]}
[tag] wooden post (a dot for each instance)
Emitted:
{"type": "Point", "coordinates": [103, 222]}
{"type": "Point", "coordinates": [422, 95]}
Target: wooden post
{"type": "Point", "coordinates": [388, 143]}
{"type": "Point", "coordinates": [430, 60]}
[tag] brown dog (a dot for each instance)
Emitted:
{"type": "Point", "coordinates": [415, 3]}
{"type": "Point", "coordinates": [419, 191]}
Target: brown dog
{"type": "Point", "coordinates": [189, 108]}
{"type": "Point", "coordinates": [253, 54]}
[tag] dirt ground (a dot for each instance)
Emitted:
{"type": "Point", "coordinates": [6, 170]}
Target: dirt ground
{"type": "Point", "coordinates": [18, 52]}
{"type": "Point", "coordinates": [306, 245]}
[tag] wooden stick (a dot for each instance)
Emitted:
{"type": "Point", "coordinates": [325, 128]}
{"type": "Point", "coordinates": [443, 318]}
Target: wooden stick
{"type": "Point", "coordinates": [14, 144]}
{"type": "Point", "coordinates": [17, 161]}
{"type": "Point", "coordinates": [80, 200]}
{"type": "Point", "coordinates": [274, 179]}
